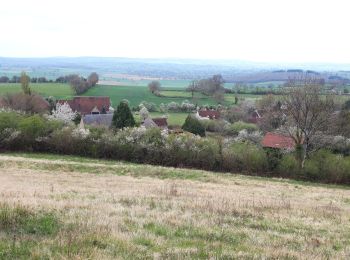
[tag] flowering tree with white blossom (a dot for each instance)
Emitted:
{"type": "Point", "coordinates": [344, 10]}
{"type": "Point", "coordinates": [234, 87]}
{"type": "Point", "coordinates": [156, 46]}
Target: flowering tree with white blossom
{"type": "Point", "coordinates": [64, 113]}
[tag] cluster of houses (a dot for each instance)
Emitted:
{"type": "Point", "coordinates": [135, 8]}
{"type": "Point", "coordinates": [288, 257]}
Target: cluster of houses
{"type": "Point", "coordinates": [98, 111]}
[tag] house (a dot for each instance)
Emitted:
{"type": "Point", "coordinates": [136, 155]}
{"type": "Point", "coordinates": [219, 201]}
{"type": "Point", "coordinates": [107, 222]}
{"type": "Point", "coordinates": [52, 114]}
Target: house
{"type": "Point", "coordinates": [277, 141]}
{"type": "Point", "coordinates": [160, 122]}
{"type": "Point", "coordinates": [98, 119]}
{"type": "Point", "coordinates": [208, 114]}
{"type": "Point", "coordinates": [89, 105]}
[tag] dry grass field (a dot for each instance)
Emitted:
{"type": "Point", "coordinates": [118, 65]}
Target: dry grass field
{"type": "Point", "coordinates": [60, 207]}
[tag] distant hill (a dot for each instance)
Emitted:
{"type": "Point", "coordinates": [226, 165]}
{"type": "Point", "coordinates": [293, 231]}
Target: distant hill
{"type": "Point", "coordinates": [232, 70]}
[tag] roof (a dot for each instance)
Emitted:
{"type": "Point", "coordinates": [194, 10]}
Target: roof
{"type": "Point", "coordinates": [160, 121]}
{"type": "Point", "coordinates": [273, 140]}
{"type": "Point", "coordinates": [85, 105]}
{"type": "Point", "coordinates": [155, 122]}
{"type": "Point", "coordinates": [98, 119]}
{"type": "Point", "coordinates": [212, 114]}
{"type": "Point", "coordinates": [148, 122]}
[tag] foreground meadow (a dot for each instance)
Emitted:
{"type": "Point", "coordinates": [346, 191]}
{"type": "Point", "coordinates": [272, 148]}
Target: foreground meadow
{"type": "Point", "coordinates": [69, 207]}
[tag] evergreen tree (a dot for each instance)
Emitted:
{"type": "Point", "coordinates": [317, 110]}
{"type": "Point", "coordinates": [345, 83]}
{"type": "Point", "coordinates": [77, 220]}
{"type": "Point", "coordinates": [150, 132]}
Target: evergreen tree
{"type": "Point", "coordinates": [193, 126]}
{"type": "Point", "coordinates": [123, 117]}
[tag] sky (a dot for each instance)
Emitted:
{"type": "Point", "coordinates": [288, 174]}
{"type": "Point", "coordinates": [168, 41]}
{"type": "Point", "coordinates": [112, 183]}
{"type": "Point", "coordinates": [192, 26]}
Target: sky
{"type": "Point", "coordinates": [252, 30]}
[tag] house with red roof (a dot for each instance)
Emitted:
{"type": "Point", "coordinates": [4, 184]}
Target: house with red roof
{"type": "Point", "coordinates": [208, 114]}
{"type": "Point", "coordinates": [89, 105]}
{"type": "Point", "coordinates": [277, 141]}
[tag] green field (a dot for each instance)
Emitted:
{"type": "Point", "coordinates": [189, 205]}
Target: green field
{"type": "Point", "coordinates": [165, 83]}
{"type": "Point", "coordinates": [136, 94]}
{"type": "Point", "coordinates": [56, 90]}
{"type": "Point", "coordinates": [67, 207]}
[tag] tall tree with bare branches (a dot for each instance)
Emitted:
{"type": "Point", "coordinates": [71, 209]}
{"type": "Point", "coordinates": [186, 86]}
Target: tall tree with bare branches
{"type": "Point", "coordinates": [25, 83]}
{"type": "Point", "coordinates": [193, 87]}
{"type": "Point", "coordinates": [308, 113]}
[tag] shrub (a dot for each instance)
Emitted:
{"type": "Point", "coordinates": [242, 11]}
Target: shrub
{"type": "Point", "coordinates": [186, 106]}
{"type": "Point", "coordinates": [238, 126]}
{"type": "Point", "coordinates": [288, 166]}
{"type": "Point", "coordinates": [254, 137]}
{"type": "Point", "coordinates": [244, 156]}
{"type": "Point", "coordinates": [190, 150]}
{"type": "Point", "coordinates": [214, 125]}
{"type": "Point", "coordinates": [9, 120]}
{"type": "Point", "coordinates": [74, 143]}
{"type": "Point", "coordinates": [173, 106]}
{"type": "Point", "coordinates": [151, 107]}
{"type": "Point", "coordinates": [33, 128]}
{"type": "Point", "coordinates": [193, 126]}
{"type": "Point", "coordinates": [328, 167]}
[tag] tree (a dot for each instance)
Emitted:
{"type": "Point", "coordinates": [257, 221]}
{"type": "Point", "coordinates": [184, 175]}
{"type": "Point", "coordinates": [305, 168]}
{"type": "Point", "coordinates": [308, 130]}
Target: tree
{"type": "Point", "coordinates": [4, 79]}
{"type": "Point", "coordinates": [212, 86]}
{"type": "Point", "coordinates": [25, 83]}
{"type": "Point", "coordinates": [92, 79]}
{"type": "Point", "coordinates": [342, 123]}
{"type": "Point", "coordinates": [15, 79]}
{"type": "Point", "coordinates": [123, 117]}
{"type": "Point", "coordinates": [77, 83]}
{"type": "Point", "coordinates": [193, 87]}
{"type": "Point", "coordinates": [308, 113]}
{"type": "Point", "coordinates": [273, 116]}
{"type": "Point", "coordinates": [64, 113]}
{"type": "Point", "coordinates": [218, 82]}
{"type": "Point", "coordinates": [42, 80]}
{"type": "Point", "coordinates": [193, 126]}
{"type": "Point", "coordinates": [219, 96]}
{"type": "Point", "coordinates": [154, 86]}
{"type": "Point", "coordinates": [144, 113]}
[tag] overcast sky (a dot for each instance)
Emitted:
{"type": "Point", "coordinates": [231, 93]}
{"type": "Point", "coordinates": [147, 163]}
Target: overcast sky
{"type": "Point", "coordinates": [255, 30]}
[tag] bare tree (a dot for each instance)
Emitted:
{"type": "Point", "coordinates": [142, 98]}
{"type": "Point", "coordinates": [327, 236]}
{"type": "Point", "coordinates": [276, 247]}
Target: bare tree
{"type": "Point", "coordinates": [28, 103]}
{"type": "Point", "coordinates": [193, 87]}
{"type": "Point", "coordinates": [219, 96]}
{"type": "Point", "coordinates": [25, 83]}
{"type": "Point", "coordinates": [273, 116]}
{"type": "Point", "coordinates": [78, 84]}
{"type": "Point", "coordinates": [154, 86]}
{"type": "Point", "coordinates": [93, 79]}
{"type": "Point", "coordinates": [308, 113]}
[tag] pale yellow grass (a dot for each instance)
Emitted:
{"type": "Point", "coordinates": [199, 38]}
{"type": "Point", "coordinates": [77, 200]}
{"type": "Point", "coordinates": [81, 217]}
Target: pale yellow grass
{"type": "Point", "coordinates": [235, 217]}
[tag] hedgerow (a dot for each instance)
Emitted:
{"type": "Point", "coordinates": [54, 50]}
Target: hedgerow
{"type": "Point", "coordinates": [21, 132]}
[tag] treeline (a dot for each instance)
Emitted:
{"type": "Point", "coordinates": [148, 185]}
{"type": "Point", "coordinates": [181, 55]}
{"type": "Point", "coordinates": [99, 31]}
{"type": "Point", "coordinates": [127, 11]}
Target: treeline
{"type": "Point", "coordinates": [17, 79]}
